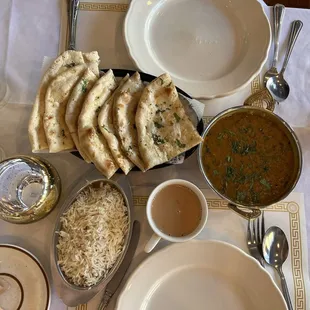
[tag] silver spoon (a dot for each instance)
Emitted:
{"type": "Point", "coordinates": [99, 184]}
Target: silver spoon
{"type": "Point", "coordinates": [277, 85]}
{"type": "Point", "coordinates": [275, 251]}
{"type": "Point", "coordinates": [73, 9]}
{"type": "Point", "coordinates": [278, 15]}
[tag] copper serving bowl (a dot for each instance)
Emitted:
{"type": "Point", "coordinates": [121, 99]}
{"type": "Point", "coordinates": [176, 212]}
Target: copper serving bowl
{"type": "Point", "coordinates": [246, 210]}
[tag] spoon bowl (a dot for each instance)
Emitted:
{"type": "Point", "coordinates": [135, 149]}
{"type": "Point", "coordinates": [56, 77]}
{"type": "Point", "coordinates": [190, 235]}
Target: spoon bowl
{"type": "Point", "coordinates": [275, 247]}
{"type": "Point", "coordinates": [275, 252]}
{"type": "Point", "coordinates": [278, 87]}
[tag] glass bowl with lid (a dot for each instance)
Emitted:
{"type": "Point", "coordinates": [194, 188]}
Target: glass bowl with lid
{"type": "Point", "coordinates": [30, 188]}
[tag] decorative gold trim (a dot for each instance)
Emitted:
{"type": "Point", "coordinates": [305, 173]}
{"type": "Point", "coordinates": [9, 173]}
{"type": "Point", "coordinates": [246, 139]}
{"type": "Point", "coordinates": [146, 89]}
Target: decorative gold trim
{"type": "Point", "coordinates": [140, 201]}
{"type": "Point", "coordinates": [110, 7]}
{"type": "Point", "coordinates": [296, 261]}
{"type": "Point", "coordinates": [292, 208]}
{"type": "Point", "coordinates": [207, 119]}
{"type": "Point", "coordinates": [261, 99]}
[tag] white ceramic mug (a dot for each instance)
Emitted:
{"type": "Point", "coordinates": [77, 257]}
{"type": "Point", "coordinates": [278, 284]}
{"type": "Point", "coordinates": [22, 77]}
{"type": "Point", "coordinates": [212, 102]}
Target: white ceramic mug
{"type": "Point", "coordinates": [158, 234]}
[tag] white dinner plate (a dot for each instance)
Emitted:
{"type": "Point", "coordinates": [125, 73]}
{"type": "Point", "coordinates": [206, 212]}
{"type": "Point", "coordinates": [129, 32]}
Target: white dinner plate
{"type": "Point", "coordinates": [24, 281]}
{"type": "Point", "coordinates": [200, 275]}
{"type": "Point", "coordinates": [211, 48]}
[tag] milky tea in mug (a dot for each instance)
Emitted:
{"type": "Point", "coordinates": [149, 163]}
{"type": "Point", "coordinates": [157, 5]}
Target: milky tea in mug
{"type": "Point", "coordinates": [176, 210]}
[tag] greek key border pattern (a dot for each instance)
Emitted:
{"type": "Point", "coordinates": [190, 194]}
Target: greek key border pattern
{"type": "Point", "coordinates": [206, 119]}
{"type": "Point", "coordinates": [110, 7]}
{"type": "Point", "coordinates": [296, 255]}
{"type": "Point", "coordinates": [255, 84]}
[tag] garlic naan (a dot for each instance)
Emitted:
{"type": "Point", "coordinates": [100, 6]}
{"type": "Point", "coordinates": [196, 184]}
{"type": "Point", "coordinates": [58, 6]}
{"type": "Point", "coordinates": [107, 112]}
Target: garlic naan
{"type": "Point", "coordinates": [125, 106]}
{"type": "Point", "coordinates": [164, 129]}
{"type": "Point", "coordinates": [66, 60]}
{"type": "Point", "coordinates": [105, 121]}
{"type": "Point", "coordinates": [91, 139]}
{"type": "Point", "coordinates": [57, 96]}
{"type": "Point", "coordinates": [92, 61]}
{"type": "Point", "coordinates": [74, 107]}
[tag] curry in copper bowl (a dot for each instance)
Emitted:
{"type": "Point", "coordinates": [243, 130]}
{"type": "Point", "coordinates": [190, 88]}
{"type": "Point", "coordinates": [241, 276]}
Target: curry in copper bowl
{"type": "Point", "coordinates": [250, 156]}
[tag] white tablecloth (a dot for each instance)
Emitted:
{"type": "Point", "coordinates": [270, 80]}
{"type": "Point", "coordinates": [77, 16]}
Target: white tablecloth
{"type": "Point", "coordinates": [34, 33]}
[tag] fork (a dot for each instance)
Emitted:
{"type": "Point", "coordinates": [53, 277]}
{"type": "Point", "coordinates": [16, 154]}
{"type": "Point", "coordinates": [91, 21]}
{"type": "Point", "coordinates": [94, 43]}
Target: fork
{"type": "Point", "coordinates": [255, 237]}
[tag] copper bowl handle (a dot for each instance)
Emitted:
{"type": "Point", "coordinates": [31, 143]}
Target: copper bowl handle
{"type": "Point", "coordinates": [248, 214]}
{"type": "Point", "coordinates": [261, 99]}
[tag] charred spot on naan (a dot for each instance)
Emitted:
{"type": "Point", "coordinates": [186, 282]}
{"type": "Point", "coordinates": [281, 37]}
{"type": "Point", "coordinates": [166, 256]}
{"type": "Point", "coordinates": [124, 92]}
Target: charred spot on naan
{"type": "Point", "coordinates": [164, 92]}
{"type": "Point", "coordinates": [90, 132]}
{"type": "Point", "coordinates": [109, 164]}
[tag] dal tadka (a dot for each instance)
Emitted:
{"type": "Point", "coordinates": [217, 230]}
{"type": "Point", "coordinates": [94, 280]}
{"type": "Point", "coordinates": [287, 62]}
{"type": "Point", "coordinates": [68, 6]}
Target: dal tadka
{"type": "Point", "coordinates": [248, 159]}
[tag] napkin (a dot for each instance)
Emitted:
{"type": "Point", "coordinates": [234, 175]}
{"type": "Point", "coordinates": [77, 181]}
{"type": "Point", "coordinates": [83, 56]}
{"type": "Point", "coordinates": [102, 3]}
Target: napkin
{"type": "Point", "coordinates": [33, 32]}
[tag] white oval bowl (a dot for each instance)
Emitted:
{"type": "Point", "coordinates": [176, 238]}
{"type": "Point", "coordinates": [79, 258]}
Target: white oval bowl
{"type": "Point", "coordinates": [210, 48]}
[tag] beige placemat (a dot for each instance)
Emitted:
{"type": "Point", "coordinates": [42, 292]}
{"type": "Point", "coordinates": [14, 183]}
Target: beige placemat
{"type": "Point", "coordinates": [100, 28]}
{"type": "Point", "coordinates": [227, 226]}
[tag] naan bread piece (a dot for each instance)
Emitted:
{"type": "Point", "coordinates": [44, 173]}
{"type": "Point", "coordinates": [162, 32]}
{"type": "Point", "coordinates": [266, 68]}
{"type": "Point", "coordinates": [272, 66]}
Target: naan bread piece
{"type": "Point", "coordinates": [164, 129]}
{"type": "Point", "coordinates": [105, 121]}
{"type": "Point", "coordinates": [91, 139]}
{"type": "Point", "coordinates": [63, 62]}
{"type": "Point", "coordinates": [92, 61]}
{"type": "Point", "coordinates": [57, 96]}
{"type": "Point", "coordinates": [125, 106]}
{"type": "Point", "coordinates": [75, 105]}
{"type": "Point", "coordinates": [35, 129]}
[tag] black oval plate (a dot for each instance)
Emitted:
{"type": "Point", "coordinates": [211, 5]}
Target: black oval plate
{"type": "Point", "coordinates": [149, 78]}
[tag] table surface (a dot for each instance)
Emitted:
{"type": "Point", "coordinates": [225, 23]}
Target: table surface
{"type": "Point", "coordinates": [290, 3]}
{"type": "Point", "coordinates": [14, 137]}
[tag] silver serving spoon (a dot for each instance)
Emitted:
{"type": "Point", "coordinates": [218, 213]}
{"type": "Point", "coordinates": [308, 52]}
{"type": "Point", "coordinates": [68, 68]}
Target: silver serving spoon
{"type": "Point", "coordinates": [278, 15]}
{"type": "Point", "coordinates": [275, 252]}
{"type": "Point", "coordinates": [277, 85]}
{"type": "Point", "coordinates": [73, 9]}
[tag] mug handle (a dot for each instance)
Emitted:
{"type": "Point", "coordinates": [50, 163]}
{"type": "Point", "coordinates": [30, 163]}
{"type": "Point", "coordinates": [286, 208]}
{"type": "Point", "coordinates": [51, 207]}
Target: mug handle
{"type": "Point", "coordinates": [249, 214]}
{"type": "Point", "coordinates": [151, 243]}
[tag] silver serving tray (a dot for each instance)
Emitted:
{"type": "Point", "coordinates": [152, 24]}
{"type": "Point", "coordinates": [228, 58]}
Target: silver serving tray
{"type": "Point", "coordinates": [70, 294]}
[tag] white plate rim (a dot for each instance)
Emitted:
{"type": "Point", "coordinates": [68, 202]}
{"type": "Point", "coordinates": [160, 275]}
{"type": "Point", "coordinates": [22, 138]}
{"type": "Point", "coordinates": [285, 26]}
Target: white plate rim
{"type": "Point", "coordinates": [205, 243]}
{"type": "Point", "coordinates": [36, 260]}
{"type": "Point", "coordinates": [201, 95]}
